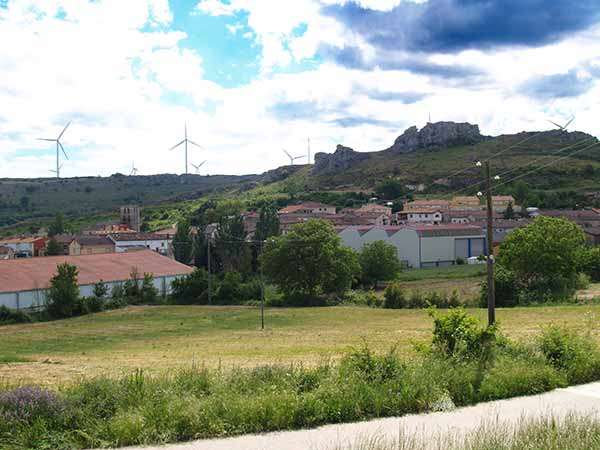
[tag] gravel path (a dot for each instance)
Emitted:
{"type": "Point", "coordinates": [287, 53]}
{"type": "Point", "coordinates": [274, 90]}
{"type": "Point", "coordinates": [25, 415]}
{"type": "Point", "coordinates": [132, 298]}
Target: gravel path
{"type": "Point", "coordinates": [582, 400]}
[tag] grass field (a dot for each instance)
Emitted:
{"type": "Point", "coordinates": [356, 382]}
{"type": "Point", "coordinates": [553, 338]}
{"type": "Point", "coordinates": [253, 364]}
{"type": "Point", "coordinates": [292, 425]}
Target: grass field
{"type": "Point", "coordinates": [158, 338]}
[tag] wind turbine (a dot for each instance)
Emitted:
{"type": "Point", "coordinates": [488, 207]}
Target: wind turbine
{"type": "Point", "coordinates": [292, 158]}
{"type": "Point", "coordinates": [185, 142]}
{"type": "Point", "coordinates": [134, 171]}
{"type": "Point", "coordinates": [197, 167]}
{"type": "Point", "coordinates": [308, 156]}
{"type": "Point", "coordinates": [58, 148]}
{"type": "Point", "coordinates": [563, 127]}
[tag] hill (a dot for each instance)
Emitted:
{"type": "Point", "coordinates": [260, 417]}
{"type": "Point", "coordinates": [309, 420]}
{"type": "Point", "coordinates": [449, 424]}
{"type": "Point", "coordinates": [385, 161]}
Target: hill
{"type": "Point", "coordinates": [441, 157]}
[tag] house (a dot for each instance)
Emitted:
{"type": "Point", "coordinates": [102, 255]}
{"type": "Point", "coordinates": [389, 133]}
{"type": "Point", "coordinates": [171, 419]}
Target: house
{"type": "Point", "coordinates": [64, 241]}
{"type": "Point", "coordinates": [24, 282]}
{"type": "Point", "coordinates": [108, 228]}
{"type": "Point", "coordinates": [468, 216]}
{"type": "Point", "coordinates": [125, 242]}
{"type": "Point", "coordinates": [500, 202]}
{"type": "Point", "coordinates": [502, 227]}
{"type": "Point", "coordinates": [25, 247]}
{"type": "Point", "coordinates": [421, 245]}
{"type": "Point", "coordinates": [436, 205]}
{"type": "Point", "coordinates": [91, 245]}
{"type": "Point", "coordinates": [374, 208]}
{"type": "Point", "coordinates": [465, 203]}
{"type": "Point", "coordinates": [419, 216]}
{"type": "Point", "coordinates": [592, 235]}
{"type": "Point", "coordinates": [314, 208]}
{"type": "Point", "coordinates": [582, 217]}
{"type": "Point", "coordinates": [6, 252]}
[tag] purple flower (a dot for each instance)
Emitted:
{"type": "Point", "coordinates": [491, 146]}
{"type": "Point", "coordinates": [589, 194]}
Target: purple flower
{"type": "Point", "coordinates": [30, 402]}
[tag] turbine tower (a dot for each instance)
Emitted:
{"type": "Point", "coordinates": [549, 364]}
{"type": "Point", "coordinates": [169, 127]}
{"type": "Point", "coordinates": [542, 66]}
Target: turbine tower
{"type": "Point", "coordinates": [292, 158]}
{"type": "Point", "coordinates": [59, 147]}
{"type": "Point", "coordinates": [134, 170]}
{"type": "Point", "coordinates": [185, 142]}
{"type": "Point", "coordinates": [197, 167]}
{"type": "Point", "coordinates": [308, 156]}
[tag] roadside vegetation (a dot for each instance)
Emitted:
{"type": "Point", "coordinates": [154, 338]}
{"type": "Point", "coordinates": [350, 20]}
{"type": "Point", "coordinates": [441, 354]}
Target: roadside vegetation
{"type": "Point", "coordinates": [464, 363]}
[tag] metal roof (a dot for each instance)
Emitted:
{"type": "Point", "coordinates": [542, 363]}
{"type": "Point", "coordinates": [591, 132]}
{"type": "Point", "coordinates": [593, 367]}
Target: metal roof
{"type": "Point", "coordinates": [28, 274]}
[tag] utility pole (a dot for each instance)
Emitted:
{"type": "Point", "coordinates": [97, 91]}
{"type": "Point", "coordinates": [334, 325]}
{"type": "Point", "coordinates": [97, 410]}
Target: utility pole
{"type": "Point", "coordinates": [490, 248]}
{"type": "Point", "coordinates": [262, 290]}
{"type": "Point", "coordinates": [209, 277]}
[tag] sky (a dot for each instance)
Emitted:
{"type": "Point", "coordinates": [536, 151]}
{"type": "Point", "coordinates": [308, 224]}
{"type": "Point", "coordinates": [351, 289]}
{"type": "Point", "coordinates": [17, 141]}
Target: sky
{"type": "Point", "coordinates": [253, 77]}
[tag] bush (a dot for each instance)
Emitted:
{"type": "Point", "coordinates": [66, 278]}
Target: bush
{"type": "Point", "coordinates": [460, 261]}
{"type": "Point", "coordinates": [506, 287]}
{"type": "Point", "coordinates": [148, 292]}
{"type": "Point", "coordinates": [457, 333]}
{"type": "Point", "coordinates": [394, 297]}
{"type": "Point", "coordinates": [191, 289]}
{"type": "Point", "coordinates": [10, 316]}
{"type": "Point", "coordinates": [589, 262]}
{"type": "Point", "coordinates": [416, 300]}
{"type": "Point", "coordinates": [28, 404]}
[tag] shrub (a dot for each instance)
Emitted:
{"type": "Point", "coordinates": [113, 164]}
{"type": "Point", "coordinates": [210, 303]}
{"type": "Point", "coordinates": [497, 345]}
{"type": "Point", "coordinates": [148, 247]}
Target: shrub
{"type": "Point", "coordinates": [457, 333]}
{"type": "Point", "coordinates": [191, 289]}
{"type": "Point", "coordinates": [148, 292]}
{"type": "Point", "coordinates": [229, 290]}
{"type": "Point", "coordinates": [506, 288]}
{"type": "Point", "coordinates": [29, 403]}
{"type": "Point", "coordinates": [373, 300]}
{"type": "Point", "coordinates": [100, 290]}
{"type": "Point", "coordinates": [378, 262]}
{"type": "Point", "coordinates": [394, 297]}
{"type": "Point", "coordinates": [416, 300]}
{"type": "Point", "coordinates": [460, 261]}
{"type": "Point", "coordinates": [589, 262]}
{"type": "Point", "coordinates": [10, 316]}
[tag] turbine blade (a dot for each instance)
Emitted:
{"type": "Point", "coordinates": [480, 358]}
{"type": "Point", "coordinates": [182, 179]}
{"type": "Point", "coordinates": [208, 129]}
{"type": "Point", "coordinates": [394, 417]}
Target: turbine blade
{"type": "Point", "coordinates": [45, 139]}
{"type": "Point", "coordinates": [177, 145]}
{"type": "Point", "coordinates": [286, 152]}
{"type": "Point", "coordinates": [63, 131]}
{"type": "Point", "coordinates": [63, 150]}
{"type": "Point", "coordinates": [569, 122]}
{"type": "Point", "coordinates": [201, 164]}
{"type": "Point", "coordinates": [556, 125]}
{"type": "Point", "coordinates": [197, 145]}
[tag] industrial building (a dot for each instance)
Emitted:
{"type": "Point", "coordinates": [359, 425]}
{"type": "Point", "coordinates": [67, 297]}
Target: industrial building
{"type": "Point", "coordinates": [421, 246]}
{"type": "Point", "coordinates": [24, 282]}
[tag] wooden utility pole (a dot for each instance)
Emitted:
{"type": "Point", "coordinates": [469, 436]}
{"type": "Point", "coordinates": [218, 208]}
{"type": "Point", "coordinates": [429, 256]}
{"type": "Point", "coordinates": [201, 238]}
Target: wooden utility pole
{"type": "Point", "coordinates": [262, 289]}
{"type": "Point", "coordinates": [491, 297]}
{"type": "Point", "coordinates": [209, 277]}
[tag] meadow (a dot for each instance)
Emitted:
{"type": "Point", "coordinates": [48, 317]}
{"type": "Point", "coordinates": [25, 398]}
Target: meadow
{"type": "Point", "coordinates": [160, 338]}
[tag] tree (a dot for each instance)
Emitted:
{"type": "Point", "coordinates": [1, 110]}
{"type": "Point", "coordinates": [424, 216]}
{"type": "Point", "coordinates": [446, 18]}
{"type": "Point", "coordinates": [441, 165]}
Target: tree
{"type": "Point", "coordinates": [24, 203]}
{"type": "Point", "coordinates": [309, 261]}
{"type": "Point", "coordinates": [182, 242]}
{"type": "Point", "coordinates": [191, 289]}
{"type": "Point", "coordinates": [100, 290]}
{"type": "Point", "coordinates": [545, 254]}
{"type": "Point", "coordinates": [63, 295]}
{"type": "Point", "coordinates": [378, 262]}
{"type": "Point", "coordinates": [199, 249]}
{"type": "Point", "coordinates": [268, 223]}
{"type": "Point", "coordinates": [57, 226]}
{"type": "Point", "coordinates": [53, 248]}
{"type": "Point", "coordinates": [148, 292]}
{"type": "Point", "coordinates": [520, 192]}
{"type": "Point", "coordinates": [231, 245]}
{"type": "Point", "coordinates": [390, 189]}
{"type": "Point", "coordinates": [510, 212]}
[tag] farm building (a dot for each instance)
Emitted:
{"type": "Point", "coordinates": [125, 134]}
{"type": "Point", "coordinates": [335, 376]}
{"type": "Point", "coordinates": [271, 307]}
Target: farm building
{"type": "Point", "coordinates": [25, 247]}
{"type": "Point", "coordinates": [23, 282]}
{"type": "Point", "coordinates": [139, 241]}
{"type": "Point", "coordinates": [421, 246]}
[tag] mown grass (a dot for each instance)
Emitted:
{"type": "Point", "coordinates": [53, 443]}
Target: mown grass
{"type": "Point", "coordinates": [444, 273]}
{"type": "Point", "coordinates": [160, 338]}
{"type": "Point", "coordinates": [546, 433]}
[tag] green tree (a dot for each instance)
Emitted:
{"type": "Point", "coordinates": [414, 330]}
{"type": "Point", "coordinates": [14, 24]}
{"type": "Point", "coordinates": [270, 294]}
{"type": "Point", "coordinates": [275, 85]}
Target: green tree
{"type": "Point", "coordinates": [148, 292]}
{"type": "Point", "coordinates": [100, 290]}
{"type": "Point", "coordinates": [191, 289]}
{"type": "Point", "coordinates": [509, 213]}
{"type": "Point", "coordinates": [199, 249]}
{"type": "Point", "coordinates": [24, 203]}
{"type": "Point", "coordinates": [520, 192]}
{"type": "Point", "coordinates": [390, 189]}
{"type": "Point", "coordinates": [53, 248]}
{"type": "Point", "coordinates": [182, 242]}
{"type": "Point", "coordinates": [268, 223]}
{"type": "Point", "coordinates": [231, 245]}
{"type": "Point", "coordinates": [545, 254]}
{"type": "Point", "coordinates": [310, 260]}
{"type": "Point", "coordinates": [378, 262]}
{"type": "Point", "coordinates": [57, 226]}
{"type": "Point", "coordinates": [63, 295]}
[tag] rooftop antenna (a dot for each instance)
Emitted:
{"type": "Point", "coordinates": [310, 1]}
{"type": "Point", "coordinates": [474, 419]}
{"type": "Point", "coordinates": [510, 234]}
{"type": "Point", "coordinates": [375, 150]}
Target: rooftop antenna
{"type": "Point", "coordinates": [185, 142]}
{"type": "Point", "coordinates": [58, 148]}
{"type": "Point", "coordinates": [197, 167]}
{"type": "Point", "coordinates": [563, 127]}
{"type": "Point", "coordinates": [292, 158]}
{"type": "Point", "coordinates": [134, 171]}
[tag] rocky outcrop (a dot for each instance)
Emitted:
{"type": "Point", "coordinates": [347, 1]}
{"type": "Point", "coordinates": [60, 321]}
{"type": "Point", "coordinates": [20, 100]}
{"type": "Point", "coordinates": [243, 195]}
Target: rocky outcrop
{"type": "Point", "coordinates": [341, 159]}
{"type": "Point", "coordinates": [439, 134]}
{"type": "Point", "coordinates": [432, 135]}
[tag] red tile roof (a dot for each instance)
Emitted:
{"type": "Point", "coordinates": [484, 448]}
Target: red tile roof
{"type": "Point", "coordinates": [29, 274]}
